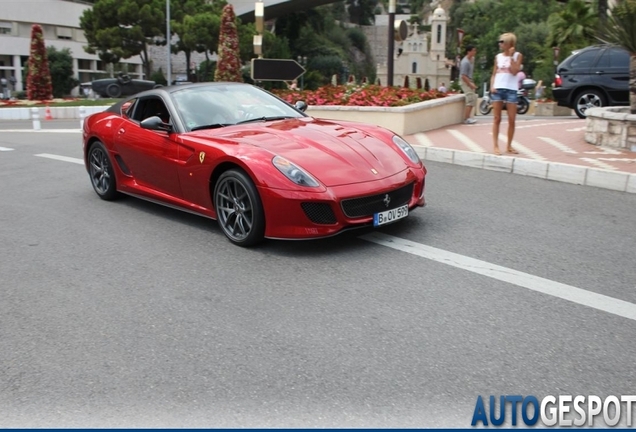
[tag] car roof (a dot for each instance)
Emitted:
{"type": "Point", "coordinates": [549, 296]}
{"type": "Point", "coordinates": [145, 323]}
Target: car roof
{"type": "Point", "coordinates": [167, 90]}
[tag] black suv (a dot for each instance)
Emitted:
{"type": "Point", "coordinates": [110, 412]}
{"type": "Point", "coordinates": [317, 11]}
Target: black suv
{"type": "Point", "coordinates": [595, 76]}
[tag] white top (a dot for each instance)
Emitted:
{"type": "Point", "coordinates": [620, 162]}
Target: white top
{"type": "Point", "coordinates": [504, 79]}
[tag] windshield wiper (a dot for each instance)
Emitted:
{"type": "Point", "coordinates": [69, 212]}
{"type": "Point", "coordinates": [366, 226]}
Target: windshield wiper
{"type": "Point", "coordinates": [257, 119]}
{"type": "Point", "coordinates": [210, 126]}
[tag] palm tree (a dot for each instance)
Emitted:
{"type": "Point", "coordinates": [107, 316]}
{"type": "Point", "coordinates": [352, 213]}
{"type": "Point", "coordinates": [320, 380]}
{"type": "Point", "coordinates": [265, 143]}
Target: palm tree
{"type": "Point", "coordinates": [621, 30]}
{"type": "Point", "coordinates": [573, 26]}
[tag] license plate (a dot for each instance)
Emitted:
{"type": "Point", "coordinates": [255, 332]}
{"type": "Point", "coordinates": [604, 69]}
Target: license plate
{"type": "Point", "coordinates": [389, 216]}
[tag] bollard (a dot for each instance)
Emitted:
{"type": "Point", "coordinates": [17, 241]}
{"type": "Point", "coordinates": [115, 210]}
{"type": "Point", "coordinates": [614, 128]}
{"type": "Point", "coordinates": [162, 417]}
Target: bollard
{"type": "Point", "coordinates": [35, 115]}
{"type": "Point", "coordinates": [82, 116]}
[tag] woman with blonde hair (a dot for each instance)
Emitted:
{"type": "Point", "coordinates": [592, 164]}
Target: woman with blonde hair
{"type": "Point", "coordinates": [503, 88]}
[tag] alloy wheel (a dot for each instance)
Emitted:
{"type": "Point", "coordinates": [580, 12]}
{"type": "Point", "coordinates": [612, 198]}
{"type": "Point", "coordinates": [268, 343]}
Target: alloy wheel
{"type": "Point", "coordinates": [235, 209]}
{"type": "Point", "coordinates": [99, 170]}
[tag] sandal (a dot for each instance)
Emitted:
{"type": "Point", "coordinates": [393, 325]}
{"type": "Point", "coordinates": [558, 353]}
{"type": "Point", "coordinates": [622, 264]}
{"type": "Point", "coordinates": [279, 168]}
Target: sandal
{"type": "Point", "coordinates": [513, 151]}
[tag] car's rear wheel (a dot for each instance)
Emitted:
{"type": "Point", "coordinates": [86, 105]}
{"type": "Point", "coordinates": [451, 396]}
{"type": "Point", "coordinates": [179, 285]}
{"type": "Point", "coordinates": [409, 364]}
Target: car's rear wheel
{"type": "Point", "coordinates": [239, 209]}
{"type": "Point", "coordinates": [588, 99]}
{"type": "Point", "coordinates": [113, 90]}
{"type": "Point", "coordinates": [101, 172]}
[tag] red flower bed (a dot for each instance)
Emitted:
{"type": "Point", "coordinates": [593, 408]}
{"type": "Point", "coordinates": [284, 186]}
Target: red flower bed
{"type": "Point", "coordinates": [369, 95]}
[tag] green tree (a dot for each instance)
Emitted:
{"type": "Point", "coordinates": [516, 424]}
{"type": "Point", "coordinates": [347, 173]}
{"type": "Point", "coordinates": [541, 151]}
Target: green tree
{"type": "Point", "coordinates": [121, 29]}
{"type": "Point", "coordinates": [39, 76]}
{"type": "Point", "coordinates": [573, 27]}
{"type": "Point", "coordinates": [202, 32]}
{"type": "Point", "coordinates": [61, 67]}
{"type": "Point", "coordinates": [361, 11]}
{"type": "Point", "coordinates": [229, 64]}
{"type": "Point", "coordinates": [190, 21]}
{"type": "Point", "coordinates": [620, 29]}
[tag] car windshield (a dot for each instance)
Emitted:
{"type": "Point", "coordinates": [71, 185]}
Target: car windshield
{"type": "Point", "coordinates": [220, 105]}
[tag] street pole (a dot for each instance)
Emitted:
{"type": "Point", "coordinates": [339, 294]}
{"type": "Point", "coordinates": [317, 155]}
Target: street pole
{"type": "Point", "coordinates": [389, 78]}
{"type": "Point", "coordinates": [168, 38]}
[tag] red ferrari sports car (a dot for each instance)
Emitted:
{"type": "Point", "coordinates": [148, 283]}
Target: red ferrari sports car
{"type": "Point", "coordinates": [258, 165]}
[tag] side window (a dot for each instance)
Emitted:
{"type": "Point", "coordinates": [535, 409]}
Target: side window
{"type": "Point", "coordinates": [151, 106]}
{"type": "Point", "coordinates": [619, 59]}
{"type": "Point", "coordinates": [128, 108]}
{"type": "Point", "coordinates": [584, 60]}
{"type": "Point", "coordinates": [604, 61]}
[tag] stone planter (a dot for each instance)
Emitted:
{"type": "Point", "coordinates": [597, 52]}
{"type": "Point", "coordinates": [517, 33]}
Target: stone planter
{"type": "Point", "coordinates": [611, 127]}
{"type": "Point", "coordinates": [548, 109]}
{"type": "Point", "coordinates": [406, 120]}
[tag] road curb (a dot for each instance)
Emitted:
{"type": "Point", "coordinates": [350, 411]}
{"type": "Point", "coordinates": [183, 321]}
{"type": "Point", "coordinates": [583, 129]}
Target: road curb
{"type": "Point", "coordinates": [556, 171]}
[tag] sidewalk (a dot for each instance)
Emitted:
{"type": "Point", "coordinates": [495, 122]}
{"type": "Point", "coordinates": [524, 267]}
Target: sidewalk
{"type": "Point", "coordinates": [549, 147]}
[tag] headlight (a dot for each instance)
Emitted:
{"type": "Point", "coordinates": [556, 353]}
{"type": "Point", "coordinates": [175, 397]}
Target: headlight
{"type": "Point", "coordinates": [406, 148]}
{"type": "Point", "coordinates": [294, 173]}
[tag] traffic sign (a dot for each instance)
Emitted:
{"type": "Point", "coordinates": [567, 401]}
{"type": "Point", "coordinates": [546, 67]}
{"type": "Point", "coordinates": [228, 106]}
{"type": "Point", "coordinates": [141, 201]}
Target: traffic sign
{"type": "Point", "coordinates": [276, 69]}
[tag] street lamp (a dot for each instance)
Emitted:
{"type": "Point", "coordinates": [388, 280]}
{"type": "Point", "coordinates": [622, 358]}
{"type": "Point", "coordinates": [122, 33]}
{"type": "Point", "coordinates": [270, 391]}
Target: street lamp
{"type": "Point", "coordinates": [389, 78]}
{"type": "Point", "coordinates": [259, 18]}
{"type": "Point", "coordinates": [168, 39]}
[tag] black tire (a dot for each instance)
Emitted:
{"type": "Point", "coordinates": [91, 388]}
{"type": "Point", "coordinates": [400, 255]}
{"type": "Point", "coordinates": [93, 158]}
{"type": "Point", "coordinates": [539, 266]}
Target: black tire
{"type": "Point", "coordinates": [113, 90]}
{"type": "Point", "coordinates": [588, 99]}
{"type": "Point", "coordinates": [522, 106]}
{"type": "Point", "coordinates": [239, 210]}
{"type": "Point", "coordinates": [485, 107]}
{"type": "Point", "coordinates": [101, 172]}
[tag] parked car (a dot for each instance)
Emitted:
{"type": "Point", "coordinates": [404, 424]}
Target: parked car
{"type": "Point", "coordinates": [595, 76]}
{"type": "Point", "coordinates": [122, 85]}
{"type": "Point", "coordinates": [260, 166]}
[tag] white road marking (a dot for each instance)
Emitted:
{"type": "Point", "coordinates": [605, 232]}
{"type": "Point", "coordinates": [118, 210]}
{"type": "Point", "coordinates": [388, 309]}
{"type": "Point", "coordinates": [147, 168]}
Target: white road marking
{"type": "Point", "coordinates": [524, 125]}
{"type": "Point", "coordinates": [628, 160]}
{"type": "Point", "coordinates": [5, 149]}
{"type": "Point", "coordinates": [576, 129]}
{"type": "Point", "coordinates": [470, 144]}
{"type": "Point", "coordinates": [535, 283]}
{"type": "Point", "coordinates": [599, 163]}
{"type": "Point", "coordinates": [423, 140]}
{"type": "Point", "coordinates": [61, 158]}
{"type": "Point", "coordinates": [558, 145]}
{"type": "Point", "coordinates": [604, 151]}
{"type": "Point", "coordinates": [521, 148]}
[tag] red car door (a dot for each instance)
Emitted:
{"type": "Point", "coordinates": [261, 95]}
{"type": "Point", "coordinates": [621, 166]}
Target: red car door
{"type": "Point", "coordinates": [151, 156]}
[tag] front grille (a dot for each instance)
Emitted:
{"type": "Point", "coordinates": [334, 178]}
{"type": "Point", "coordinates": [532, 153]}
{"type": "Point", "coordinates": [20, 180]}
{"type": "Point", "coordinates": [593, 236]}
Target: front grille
{"type": "Point", "coordinates": [368, 205]}
{"type": "Point", "coordinates": [319, 213]}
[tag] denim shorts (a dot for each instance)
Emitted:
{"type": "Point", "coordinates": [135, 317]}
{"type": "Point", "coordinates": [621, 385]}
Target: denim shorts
{"type": "Point", "coordinates": [505, 95]}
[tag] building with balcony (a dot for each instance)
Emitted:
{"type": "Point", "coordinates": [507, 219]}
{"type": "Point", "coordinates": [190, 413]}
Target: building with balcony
{"type": "Point", "coordinates": [60, 23]}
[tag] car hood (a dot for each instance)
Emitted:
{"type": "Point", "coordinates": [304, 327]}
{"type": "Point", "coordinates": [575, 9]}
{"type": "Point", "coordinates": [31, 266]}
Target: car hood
{"type": "Point", "coordinates": [333, 153]}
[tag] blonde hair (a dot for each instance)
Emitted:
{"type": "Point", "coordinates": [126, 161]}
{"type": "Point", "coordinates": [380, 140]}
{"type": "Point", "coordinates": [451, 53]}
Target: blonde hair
{"type": "Point", "coordinates": [509, 38]}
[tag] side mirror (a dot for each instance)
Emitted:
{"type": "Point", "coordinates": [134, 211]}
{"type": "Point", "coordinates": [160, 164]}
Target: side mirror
{"type": "Point", "coordinates": [155, 123]}
{"type": "Point", "coordinates": [301, 106]}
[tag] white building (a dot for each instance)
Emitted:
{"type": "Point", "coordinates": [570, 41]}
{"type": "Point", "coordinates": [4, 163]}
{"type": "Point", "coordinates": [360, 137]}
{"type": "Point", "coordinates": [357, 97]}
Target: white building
{"type": "Point", "coordinates": [60, 23]}
{"type": "Point", "coordinates": [418, 59]}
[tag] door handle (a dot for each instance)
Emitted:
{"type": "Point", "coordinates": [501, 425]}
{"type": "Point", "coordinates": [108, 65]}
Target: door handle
{"type": "Point", "coordinates": [599, 72]}
{"type": "Point", "coordinates": [121, 131]}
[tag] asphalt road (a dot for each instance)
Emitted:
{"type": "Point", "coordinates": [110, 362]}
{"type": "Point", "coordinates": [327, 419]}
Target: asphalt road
{"type": "Point", "coordinates": [129, 314]}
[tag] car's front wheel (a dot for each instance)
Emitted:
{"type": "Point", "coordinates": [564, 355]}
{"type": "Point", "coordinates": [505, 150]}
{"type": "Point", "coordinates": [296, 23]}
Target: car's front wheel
{"type": "Point", "coordinates": [239, 209]}
{"type": "Point", "coordinates": [101, 172]}
{"type": "Point", "coordinates": [588, 99]}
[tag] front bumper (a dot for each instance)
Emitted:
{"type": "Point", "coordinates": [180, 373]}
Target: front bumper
{"type": "Point", "coordinates": [305, 215]}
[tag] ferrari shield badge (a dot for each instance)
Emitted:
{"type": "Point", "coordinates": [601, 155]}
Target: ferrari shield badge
{"type": "Point", "coordinates": [201, 157]}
